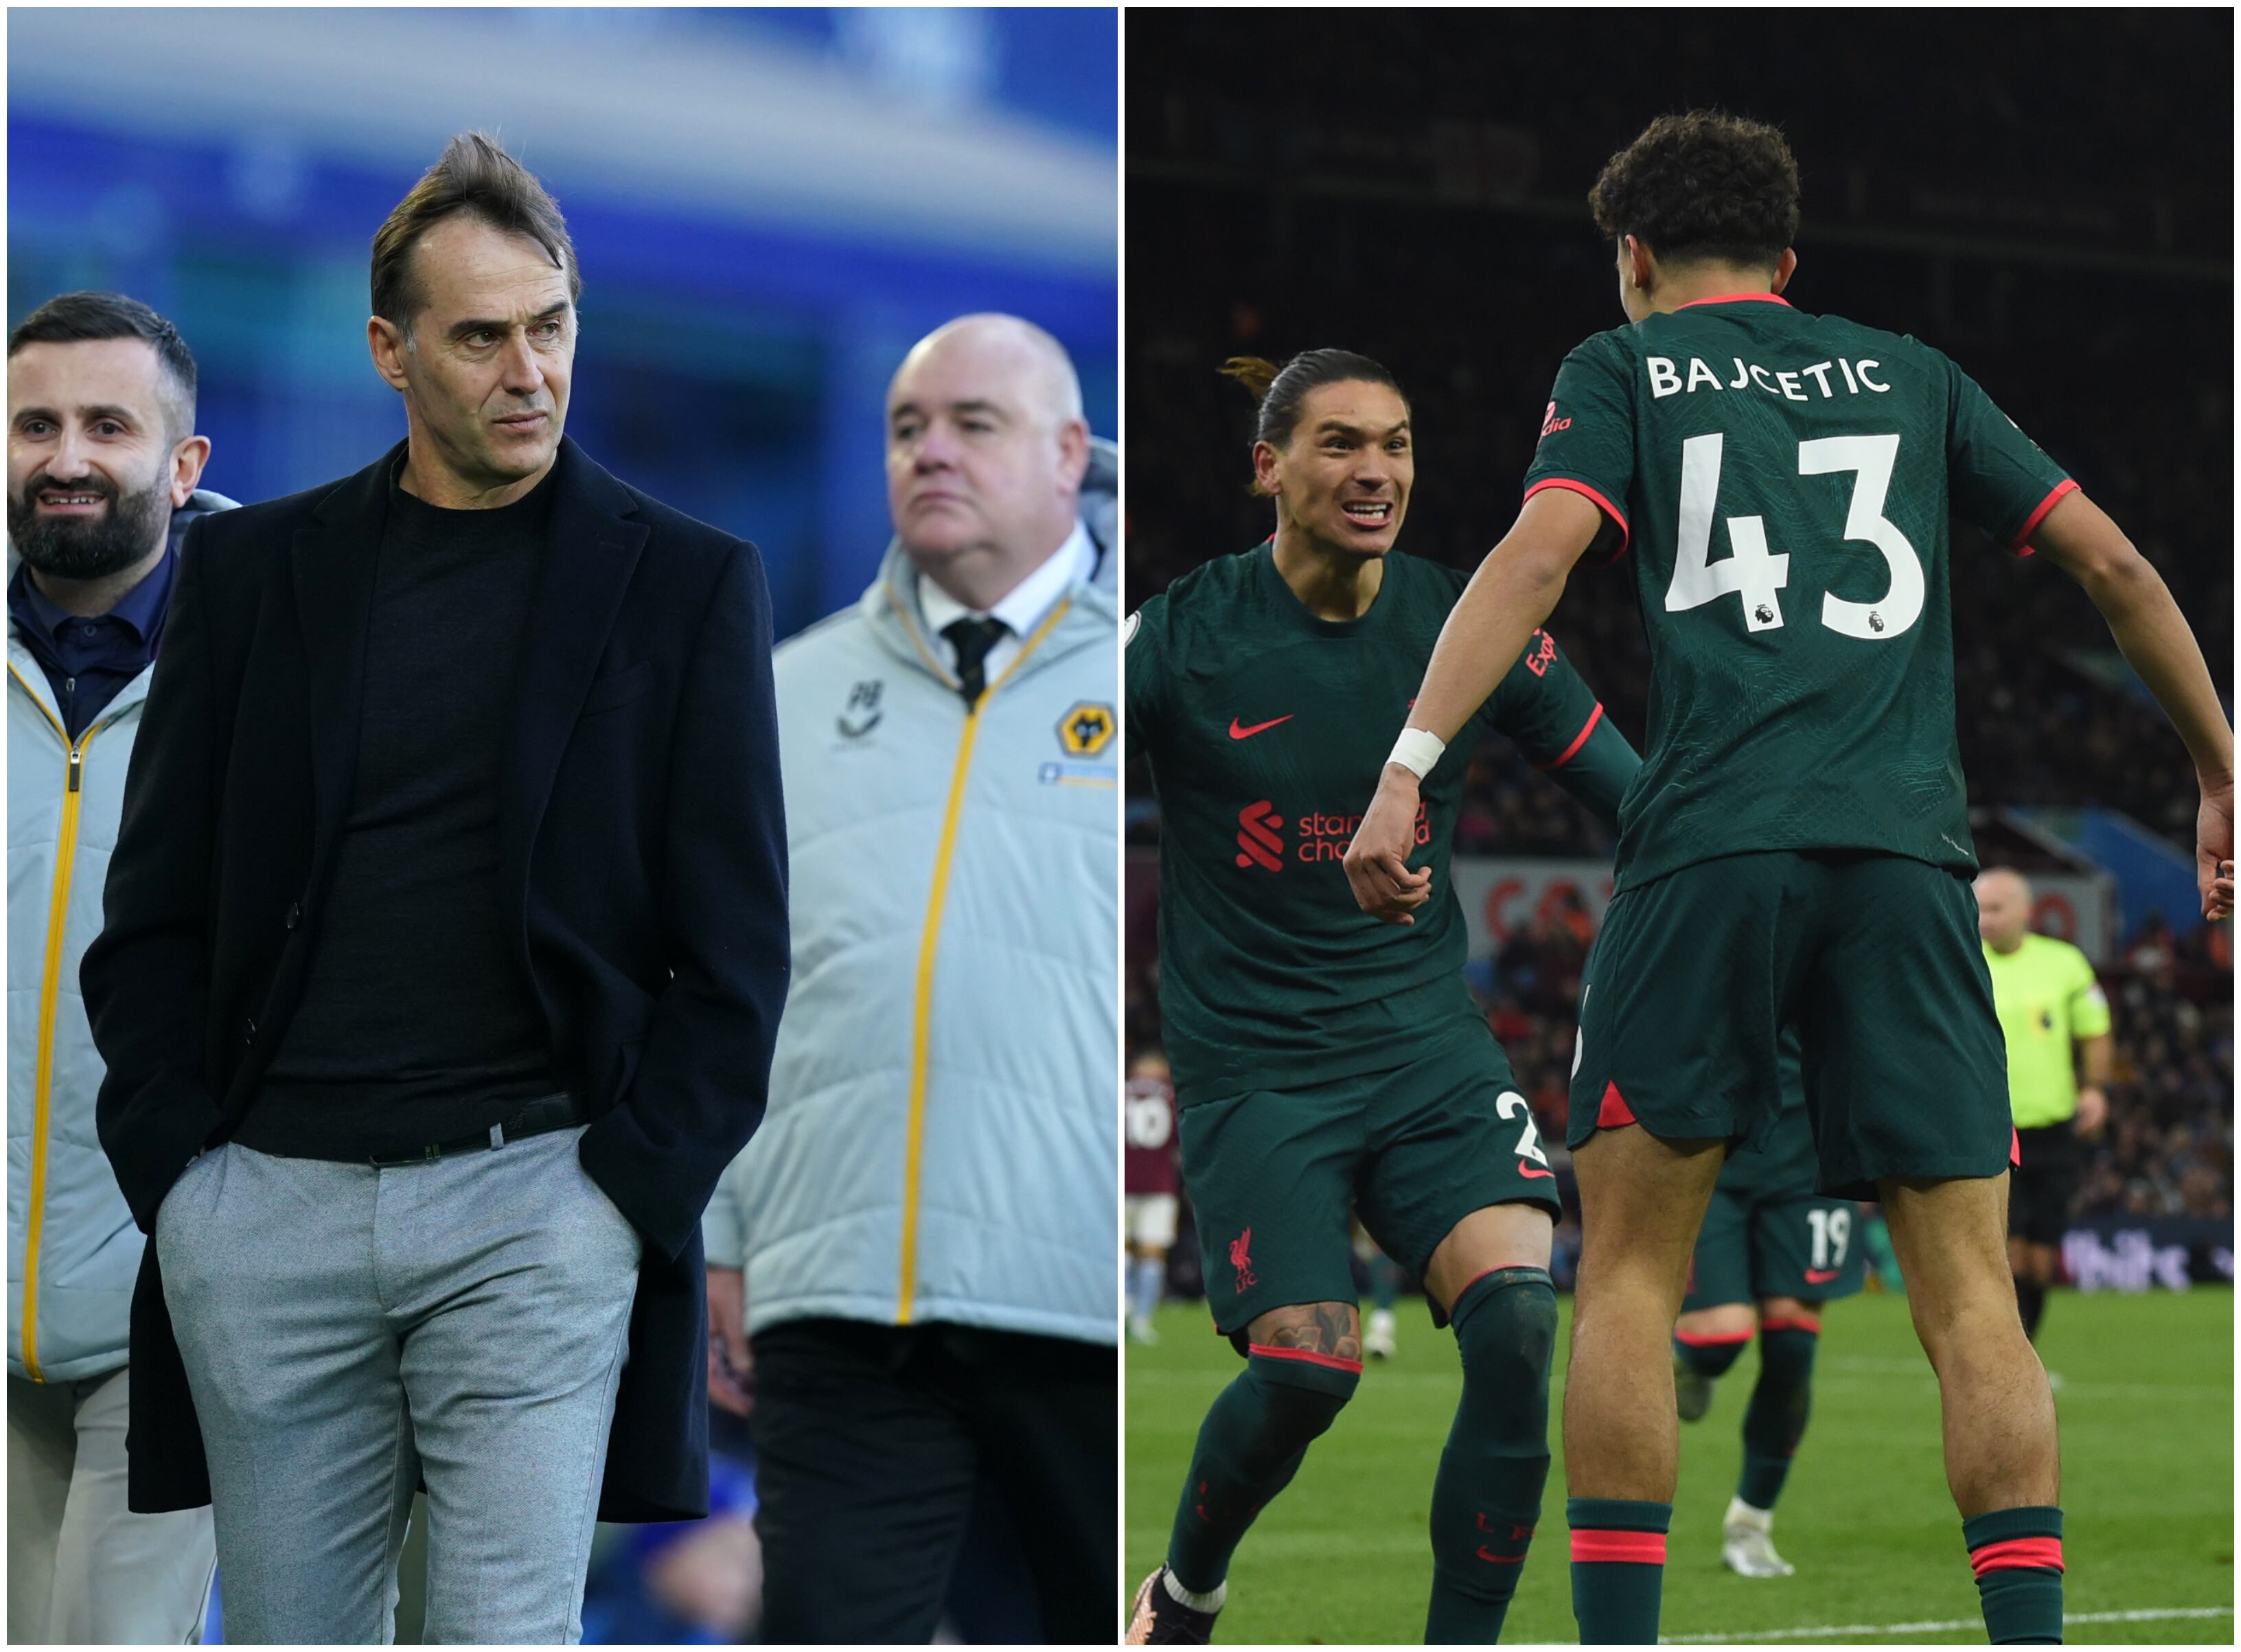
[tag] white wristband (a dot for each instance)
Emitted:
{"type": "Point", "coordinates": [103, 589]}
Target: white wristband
{"type": "Point", "coordinates": [1417, 750]}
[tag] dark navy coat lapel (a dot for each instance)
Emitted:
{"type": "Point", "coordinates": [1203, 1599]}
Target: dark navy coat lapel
{"type": "Point", "coordinates": [334, 565]}
{"type": "Point", "coordinates": [591, 549]}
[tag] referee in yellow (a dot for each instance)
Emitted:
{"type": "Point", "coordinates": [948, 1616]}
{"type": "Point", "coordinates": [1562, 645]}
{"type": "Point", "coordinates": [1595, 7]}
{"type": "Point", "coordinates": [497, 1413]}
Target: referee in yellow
{"type": "Point", "coordinates": [2056, 1017]}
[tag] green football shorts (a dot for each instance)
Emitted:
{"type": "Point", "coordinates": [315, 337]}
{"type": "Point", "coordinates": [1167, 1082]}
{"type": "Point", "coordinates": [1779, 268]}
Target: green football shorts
{"type": "Point", "coordinates": [1874, 958]}
{"type": "Point", "coordinates": [1751, 1247]}
{"type": "Point", "coordinates": [1274, 1176]}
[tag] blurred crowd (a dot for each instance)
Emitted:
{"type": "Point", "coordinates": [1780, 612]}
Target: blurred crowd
{"type": "Point", "coordinates": [2168, 1147]}
{"type": "Point", "coordinates": [1502, 106]}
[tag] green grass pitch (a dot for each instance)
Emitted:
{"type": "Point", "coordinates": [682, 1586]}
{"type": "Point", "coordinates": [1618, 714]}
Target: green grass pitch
{"type": "Point", "coordinates": [2146, 1405]}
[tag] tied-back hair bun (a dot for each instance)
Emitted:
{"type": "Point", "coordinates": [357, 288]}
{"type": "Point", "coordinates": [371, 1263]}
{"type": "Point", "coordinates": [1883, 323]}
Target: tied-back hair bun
{"type": "Point", "coordinates": [1252, 372]}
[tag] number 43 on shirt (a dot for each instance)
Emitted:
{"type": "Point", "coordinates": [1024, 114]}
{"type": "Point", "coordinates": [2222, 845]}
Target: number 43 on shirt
{"type": "Point", "coordinates": [1757, 575]}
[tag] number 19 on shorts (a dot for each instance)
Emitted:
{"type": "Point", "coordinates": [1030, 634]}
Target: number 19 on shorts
{"type": "Point", "coordinates": [1832, 1236]}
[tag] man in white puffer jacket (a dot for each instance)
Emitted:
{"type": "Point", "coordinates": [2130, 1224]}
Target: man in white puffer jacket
{"type": "Point", "coordinates": [927, 1215]}
{"type": "Point", "coordinates": [102, 466]}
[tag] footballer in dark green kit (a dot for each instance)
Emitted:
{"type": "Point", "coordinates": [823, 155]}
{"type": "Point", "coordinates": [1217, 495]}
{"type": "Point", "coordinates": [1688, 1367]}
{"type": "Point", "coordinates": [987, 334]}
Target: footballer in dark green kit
{"type": "Point", "coordinates": [1325, 1064]}
{"type": "Point", "coordinates": [1794, 852]}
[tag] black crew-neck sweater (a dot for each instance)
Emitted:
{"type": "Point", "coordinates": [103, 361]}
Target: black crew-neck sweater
{"type": "Point", "coordinates": [419, 1021]}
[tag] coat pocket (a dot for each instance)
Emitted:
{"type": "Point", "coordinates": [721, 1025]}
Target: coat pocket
{"type": "Point", "coordinates": [186, 1200]}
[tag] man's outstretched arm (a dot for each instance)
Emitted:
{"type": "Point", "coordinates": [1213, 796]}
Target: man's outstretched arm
{"type": "Point", "coordinates": [2157, 642]}
{"type": "Point", "coordinates": [1514, 591]}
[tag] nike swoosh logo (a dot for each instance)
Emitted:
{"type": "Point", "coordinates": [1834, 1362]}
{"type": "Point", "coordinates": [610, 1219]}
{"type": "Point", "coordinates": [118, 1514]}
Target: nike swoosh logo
{"type": "Point", "coordinates": [1486, 1554]}
{"type": "Point", "coordinates": [1238, 733]}
{"type": "Point", "coordinates": [1815, 1276]}
{"type": "Point", "coordinates": [1524, 1169]}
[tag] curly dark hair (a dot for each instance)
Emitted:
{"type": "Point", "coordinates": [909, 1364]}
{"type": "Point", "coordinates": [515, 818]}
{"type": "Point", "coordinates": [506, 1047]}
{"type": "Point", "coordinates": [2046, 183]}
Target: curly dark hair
{"type": "Point", "coordinates": [1701, 186]}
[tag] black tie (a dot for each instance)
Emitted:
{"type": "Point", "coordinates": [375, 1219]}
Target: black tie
{"type": "Point", "coordinates": [973, 638]}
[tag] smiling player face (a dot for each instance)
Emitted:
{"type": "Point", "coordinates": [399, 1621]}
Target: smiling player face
{"type": "Point", "coordinates": [1343, 478]}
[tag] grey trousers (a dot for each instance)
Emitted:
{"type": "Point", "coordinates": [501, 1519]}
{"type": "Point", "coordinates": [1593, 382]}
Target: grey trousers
{"type": "Point", "coordinates": [348, 1330]}
{"type": "Point", "coordinates": [83, 1570]}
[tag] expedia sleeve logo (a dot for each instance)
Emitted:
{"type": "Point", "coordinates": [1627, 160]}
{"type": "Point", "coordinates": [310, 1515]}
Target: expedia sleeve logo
{"type": "Point", "coordinates": [1086, 729]}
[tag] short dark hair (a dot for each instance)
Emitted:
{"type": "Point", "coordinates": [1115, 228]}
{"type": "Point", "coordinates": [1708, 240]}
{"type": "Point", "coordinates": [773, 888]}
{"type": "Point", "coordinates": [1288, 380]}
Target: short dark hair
{"type": "Point", "coordinates": [474, 175]}
{"type": "Point", "coordinates": [1700, 187]}
{"type": "Point", "coordinates": [1282, 391]}
{"type": "Point", "coordinates": [86, 317]}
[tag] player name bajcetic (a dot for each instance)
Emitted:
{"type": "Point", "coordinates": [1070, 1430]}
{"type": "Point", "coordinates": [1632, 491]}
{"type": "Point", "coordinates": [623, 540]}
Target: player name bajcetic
{"type": "Point", "coordinates": [1834, 378]}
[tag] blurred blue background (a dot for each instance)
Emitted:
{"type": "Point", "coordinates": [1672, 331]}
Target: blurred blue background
{"type": "Point", "coordinates": [769, 206]}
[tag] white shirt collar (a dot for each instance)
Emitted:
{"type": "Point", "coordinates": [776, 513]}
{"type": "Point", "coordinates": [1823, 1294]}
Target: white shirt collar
{"type": "Point", "coordinates": [1028, 603]}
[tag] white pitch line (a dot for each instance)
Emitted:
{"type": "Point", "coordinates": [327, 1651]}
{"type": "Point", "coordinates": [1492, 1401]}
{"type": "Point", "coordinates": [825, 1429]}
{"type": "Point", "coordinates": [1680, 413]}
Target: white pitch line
{"type": "Point", "coordinates": [1881, 1365]}
{"type": "Point", "coordinates": [1854, 1631]}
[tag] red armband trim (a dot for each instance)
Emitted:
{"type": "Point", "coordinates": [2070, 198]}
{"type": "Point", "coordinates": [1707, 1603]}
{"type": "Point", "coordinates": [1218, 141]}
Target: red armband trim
{"type": "Point", "coordinates": [1578, 741]}
{"type": "Point", "coordinates": [2020, 544]}
{"type": "Point", "coordinates": [1625, 533]}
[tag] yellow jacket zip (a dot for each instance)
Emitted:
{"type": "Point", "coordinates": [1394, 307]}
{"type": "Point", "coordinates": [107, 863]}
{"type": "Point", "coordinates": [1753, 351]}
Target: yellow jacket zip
{"type": "Point", "coordinates": [922, 1027]}
{"type": "Point", "coordinates": [43, 1071]}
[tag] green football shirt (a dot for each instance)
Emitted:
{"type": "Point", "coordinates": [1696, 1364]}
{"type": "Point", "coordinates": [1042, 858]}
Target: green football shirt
{"type": "Point", "coordinates": [1267, 729]}
{"type": "Point", "coordinates": [1785, 482]}
{"type": "Point", "coordinates": [2047, 999]}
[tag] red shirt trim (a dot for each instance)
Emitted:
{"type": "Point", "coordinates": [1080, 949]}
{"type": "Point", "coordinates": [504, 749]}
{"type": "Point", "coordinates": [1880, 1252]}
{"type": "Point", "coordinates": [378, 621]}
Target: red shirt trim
{"type": "Point", "coordinates": [1578, 741]}
{"type": "Point", "coordinates": [1638, 1549]}
{"type": "Point", "coordinates": [1307, 1354]}
{"type": "Point", "coordinates": [1738, 298]}
{"type": "Point", "coordinates": [2020, 544]}
{"type": "Point", "coordinates": [1609, 510]}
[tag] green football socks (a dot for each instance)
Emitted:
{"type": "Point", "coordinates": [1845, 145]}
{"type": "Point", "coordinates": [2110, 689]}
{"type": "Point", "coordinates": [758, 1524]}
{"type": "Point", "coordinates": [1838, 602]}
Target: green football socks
{"type": "Point", "coordinates": [1487, 1498]}
{"type": "Point", "coordinates": [1710, 1356]}
{"type": "Point", "coordinates": [1775, 1421]}
{"type": "Point", "coordinates": [1618, 1568]}
{"type": "Point", "coordinates": [2017, 1555]}
{"type": "Point", "coordinates": [1249, 1446]}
